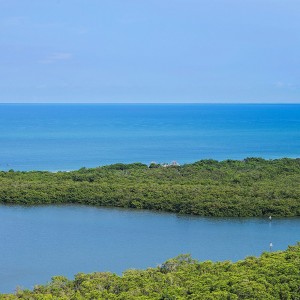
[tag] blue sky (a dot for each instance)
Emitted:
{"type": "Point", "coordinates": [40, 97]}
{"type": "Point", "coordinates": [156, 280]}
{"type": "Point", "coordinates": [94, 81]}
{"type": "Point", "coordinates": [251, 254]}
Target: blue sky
{"type": "Point", "coordinates": [150, 51]}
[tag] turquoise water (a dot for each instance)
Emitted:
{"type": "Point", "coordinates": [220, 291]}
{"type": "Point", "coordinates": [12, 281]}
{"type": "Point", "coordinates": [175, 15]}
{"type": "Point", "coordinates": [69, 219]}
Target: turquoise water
{"type": "Point", "coordinates": [65, 137]}
{"type": "Point", "coordinates": [39, 242]}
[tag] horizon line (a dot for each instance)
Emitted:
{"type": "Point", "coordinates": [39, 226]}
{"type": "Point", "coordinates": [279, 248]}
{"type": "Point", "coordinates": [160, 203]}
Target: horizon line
{"type": "Point", "coordinates": [156, 103]}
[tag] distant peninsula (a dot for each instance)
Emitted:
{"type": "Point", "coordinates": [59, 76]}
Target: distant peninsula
{"type": "Point", "coordinates": [253, 187]}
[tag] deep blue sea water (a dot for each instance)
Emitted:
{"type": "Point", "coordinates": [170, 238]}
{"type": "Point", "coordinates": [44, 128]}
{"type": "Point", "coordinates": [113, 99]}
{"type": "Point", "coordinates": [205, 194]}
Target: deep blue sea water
{"type": "Point", "coordinates": [65, 137]}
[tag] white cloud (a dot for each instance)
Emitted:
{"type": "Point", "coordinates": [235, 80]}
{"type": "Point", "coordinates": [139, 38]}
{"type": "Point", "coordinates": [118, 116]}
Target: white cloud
{"type": "Point", "coordinates": [279, 84]}
{"type": "Point", "coordinates": [12, 21]}
{"type": "Point", "coordinates": [285, 85]}
{"type": "Point", "coordinates": [56, 57]}
{"type": "Point", "coordinates": [82, 31]}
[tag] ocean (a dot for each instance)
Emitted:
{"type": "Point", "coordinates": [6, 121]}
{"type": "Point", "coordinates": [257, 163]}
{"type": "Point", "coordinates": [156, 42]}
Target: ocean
{"type": "Point", "coordinates": [70, 136]}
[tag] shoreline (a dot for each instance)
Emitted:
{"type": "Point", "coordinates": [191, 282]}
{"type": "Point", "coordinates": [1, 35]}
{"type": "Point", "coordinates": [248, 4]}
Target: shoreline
{"type": "Point", "coordinates": [253, 187]}
{"type": "Point", "coordinates": [112, 165]}
{"type": "Point", "coordinates": [183, 277]}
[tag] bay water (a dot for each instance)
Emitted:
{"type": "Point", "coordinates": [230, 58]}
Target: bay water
{"type": "Point", "coordinates": [40, 242]}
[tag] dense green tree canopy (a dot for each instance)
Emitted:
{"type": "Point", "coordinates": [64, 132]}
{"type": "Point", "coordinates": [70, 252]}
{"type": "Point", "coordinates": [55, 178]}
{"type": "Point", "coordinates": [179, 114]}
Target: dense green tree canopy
{"type": "Point", "coordinates": [250, 187]}
{"type": "Point", "coordinates": [272, 276]}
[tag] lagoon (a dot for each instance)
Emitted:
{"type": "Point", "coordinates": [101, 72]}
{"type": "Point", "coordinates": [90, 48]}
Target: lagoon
{"type": "Point", "coordinates": [42, 241]}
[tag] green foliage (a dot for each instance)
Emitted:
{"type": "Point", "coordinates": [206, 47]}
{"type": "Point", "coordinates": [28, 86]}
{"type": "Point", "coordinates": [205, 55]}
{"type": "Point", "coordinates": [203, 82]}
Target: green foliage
{"type": "Point", "coordinates": [251, 187]}
{"type": "Point", "coordinates": [272, 276]}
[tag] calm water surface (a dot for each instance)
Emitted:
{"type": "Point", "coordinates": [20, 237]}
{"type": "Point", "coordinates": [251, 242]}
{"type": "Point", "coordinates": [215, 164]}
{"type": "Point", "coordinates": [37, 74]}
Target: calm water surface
{"type": "Point", "coordinates": [65, 137]}
{"type": "Point", "coordinates": [39, 242]}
